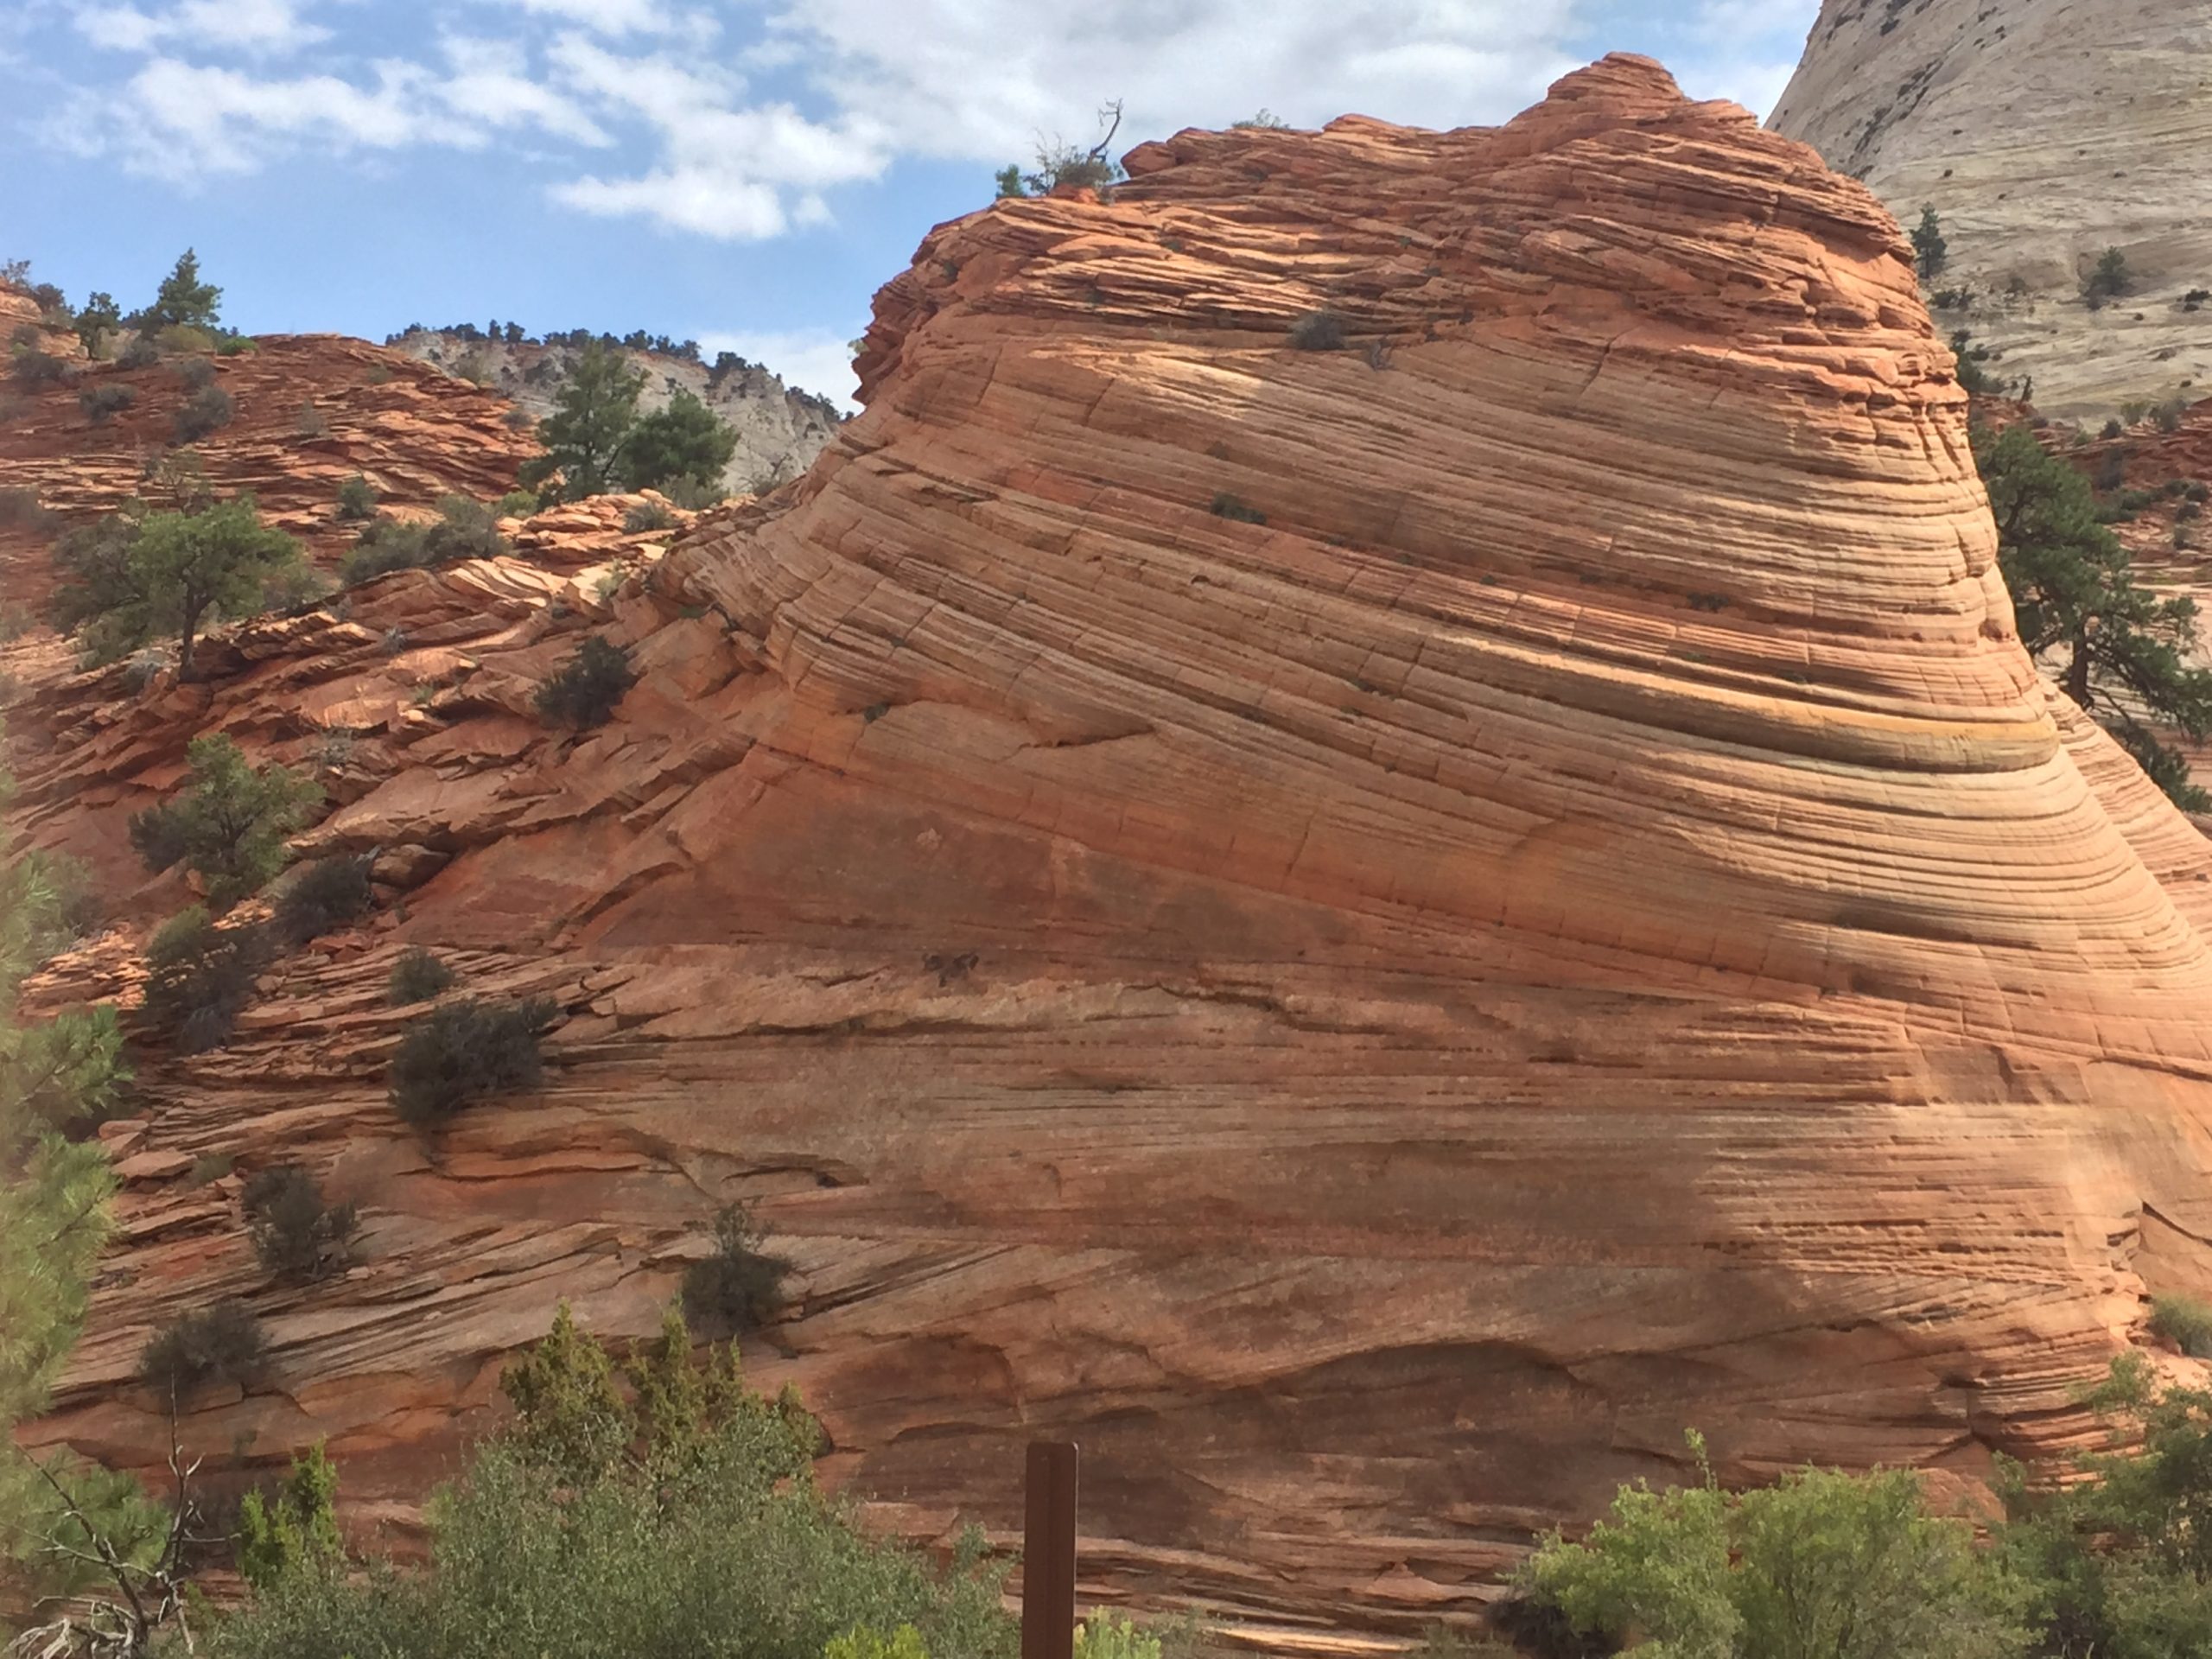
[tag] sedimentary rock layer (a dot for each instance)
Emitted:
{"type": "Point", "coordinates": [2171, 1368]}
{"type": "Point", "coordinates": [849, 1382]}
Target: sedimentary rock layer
{"type": "Point", "coordinates": [2043, 132]}
{"type": "Point", "coordinates": [1372, 933]}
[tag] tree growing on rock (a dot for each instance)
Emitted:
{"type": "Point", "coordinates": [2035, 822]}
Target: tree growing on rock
{"type": "Point", "coordinates": [1930, 253]}
{"type": "Point", "coordinates": [1060, 162]}
{"type": "Point", "coordinates": [2122, 653]}
{"type": "Point", "coordinates": [592, 415]}
{"type": "Point", "coordinates": [229, 823]}
{"type": "Point", "coordinates": [182, 301]}
{"type": "Point", "coordinates": [138, 575]}
{"type": "Point", "coordinates": [685, 442]}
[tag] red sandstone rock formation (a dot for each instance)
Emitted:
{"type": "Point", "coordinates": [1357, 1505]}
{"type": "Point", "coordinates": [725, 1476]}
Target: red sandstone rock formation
{"type": "Point", "coordinates": [1371, 932]}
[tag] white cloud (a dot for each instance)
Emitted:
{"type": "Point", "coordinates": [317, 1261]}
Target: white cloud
{"type": "Point", "coordinates": [256, 27]}
{"type": "Point", "coordinates": [812, 360]}
{"type": "Point", "coordinates": [740, 120]}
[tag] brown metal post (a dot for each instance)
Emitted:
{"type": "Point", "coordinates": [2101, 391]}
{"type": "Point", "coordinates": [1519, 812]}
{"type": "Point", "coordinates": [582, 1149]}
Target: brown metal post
{"type": "Point", "coordinates": [1048, 1553]}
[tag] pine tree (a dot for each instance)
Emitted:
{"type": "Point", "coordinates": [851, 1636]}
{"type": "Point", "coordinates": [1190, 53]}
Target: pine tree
{"type": "Point", "coordinates": [137, 576]}
{"type": "Point", "coordinates": [183, 301]}
{"type": "Point", "coordinates": [2123, 653]}
{"type": "Point", "coordinates": [1930, 252]}
{"type": "Point", "coordinates": [591, 417]}
{"type": "Point", "coordinates": [684, 441]}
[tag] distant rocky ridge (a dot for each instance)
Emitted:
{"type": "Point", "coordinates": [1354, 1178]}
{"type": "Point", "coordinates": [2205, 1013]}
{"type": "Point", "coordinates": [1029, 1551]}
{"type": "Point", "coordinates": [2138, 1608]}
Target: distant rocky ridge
{"type": "Point", "coordinates": [780, 428]}
{"type": "Point", "coordinates": [2043, 132]}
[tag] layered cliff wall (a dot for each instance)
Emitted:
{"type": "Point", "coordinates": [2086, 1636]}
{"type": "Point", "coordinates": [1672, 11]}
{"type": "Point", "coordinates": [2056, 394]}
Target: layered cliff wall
{"type": "Point", "coordinates": [1372, 933]}
{"type": "Point", "coordinates": [2043, 132]}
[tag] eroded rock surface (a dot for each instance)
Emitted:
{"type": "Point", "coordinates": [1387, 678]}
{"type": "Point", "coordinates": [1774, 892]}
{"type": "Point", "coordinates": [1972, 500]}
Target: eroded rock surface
{"type": "Point", "coordinates": [1370, 932]}
{"type": "Point", "coordinates": [2043, 132]}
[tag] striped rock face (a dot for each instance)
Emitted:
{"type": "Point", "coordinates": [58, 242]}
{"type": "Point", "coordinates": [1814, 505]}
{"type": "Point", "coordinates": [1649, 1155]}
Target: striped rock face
{"type": "Point", "coordinates": [1370, 932]}
{"type": "Point", "coordinates": [2043, 132]}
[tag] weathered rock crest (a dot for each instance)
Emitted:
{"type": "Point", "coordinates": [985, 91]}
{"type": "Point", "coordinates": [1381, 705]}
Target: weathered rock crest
{"type": "Point", "coordinates": [1582, 923]}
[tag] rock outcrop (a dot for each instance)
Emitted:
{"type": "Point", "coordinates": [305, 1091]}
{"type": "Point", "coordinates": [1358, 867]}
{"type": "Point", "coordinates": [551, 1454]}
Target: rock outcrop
{"type": "Point", "coordinates": [1370, 931]}
{"type": "Point", "coordinates": [780, 428]}
{"type": "Point", "coordinates": [2043, 132]}
{"type": "Point", "coordinates": [308, 411]}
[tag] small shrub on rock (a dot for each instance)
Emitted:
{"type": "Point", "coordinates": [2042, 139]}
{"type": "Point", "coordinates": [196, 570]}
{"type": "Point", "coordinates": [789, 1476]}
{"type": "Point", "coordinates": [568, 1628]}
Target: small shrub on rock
{"type": "Point", "coordinates": [235, 345]}
{"type": "Point", "coordinates": [296, 1234]}
{"type": "Point", "coordinates": [1317, 331]}
{"type": "Point", "coordinates": [357, 499]}
{"type": "Point", "coordinates": [740, 1286]}
{"type": "Point", "coordinates": [462, 529]}
{"type": "Point", "coordinates": [516, 503]}
{"type": "Point", "coordinates": [197, 373]}
{"type": "Point", "coordinates": [200, 977]}
{"type": "Point", "coordinates": [648, 515]}
{"type": "Point", "coordinates": [229, 823]}
{"type": "Point", "coordinates": [693, 495]}
{"type": "Point", "coordinates": [102, 402]}
{"type": "Point", "coordinates": [464, 1052]}
{"type": "Point", "coordinates": [20, 509]}
{"type": "Point", "coordinates": [2185, 1322]}
{"type": "Point", "coordinates": [325, 894]}
{"type": "Point", "coordinates": [218, 1344]}
{"type": "Point", "coordinates": [585, 689]}
{"type": "Point", "coordinates": [34, 367]}
{"type": "Point", "coordinates": [417, 976]}
{"type": "Point", "coordinates": [140, 353]}
{"type": "Point", "coordinates": [209, 410]}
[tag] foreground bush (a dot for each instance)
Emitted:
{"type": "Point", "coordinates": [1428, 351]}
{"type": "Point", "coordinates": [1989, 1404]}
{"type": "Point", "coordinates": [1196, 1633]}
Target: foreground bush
{"type": "Point", "coordinates": [295, 1233]}
{"type": "Point", "coordinates": [230, 823]}
{"type": "Point", "coordinates": [1821, 1566]}
{"type": "Point", "coordinates": [463, 1052]}
{"type": "Point", "coordinates": [687, 1523]}
{"type": "Point", "coordinates": [216, 1345]}
{"type": "Point", "coordinates": [200, 977]}
{"type": "Point", "coordinates": [586, 690]}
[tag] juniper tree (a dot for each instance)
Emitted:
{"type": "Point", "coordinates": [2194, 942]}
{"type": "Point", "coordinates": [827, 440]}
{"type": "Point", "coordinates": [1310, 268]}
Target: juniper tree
{"type": "Point", "coordinates": [592, 415]}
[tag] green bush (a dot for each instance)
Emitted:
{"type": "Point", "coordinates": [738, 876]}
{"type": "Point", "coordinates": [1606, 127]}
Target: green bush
{"type": "Point", "coordinates": [463, 1052]}
{"type": "Point", "coordinates": [2185, 1322]}
{"type": "Point", "coordinates": [357, 499]}
{"type": "Point", "coordinates": [69, 1073]}
{"type": "Point", "coordinates": [586, 690]}
{"type": "Point", "coordinates": [34, 367]}
{"type": "Point", "coordinates": [516, 503]}
{"type": "Point", "coordinates": [685, 440]}
{"type": "Point", "coordinates": [463, 530]}
{"type": "Point", "coordinates": [694, 496]}
{"type": "Point", "coordinates": [101, 403]}
{"type": "Point", "coordinates": [295, 1233]}
{"type": "Point", "coordinates": [417, 976]}
{"type": "Point", "coordinates": [234, 346]}
{"type": "Point", "coordinates": [138, 352]}
{"type": "Point", "coordinates": [209, 410]}
{"type": "Point", "coordinates": [200, 977]}
{"type": "Point", "coordinates": [740, 1286]}
{"type": "Point", "coordinates": [137, 575]}
{"type": "Point", "coordinates": [325, 894]}
{"type": "Point", "coordinates": [1104, 1636]}
{"type": "Point", "coordinates": [648, 515]}
{"type": "Point", "coordinates": [221, 1344]}
{"type": "Point", "coordinates": [1821, 1565]}
{"type": "Point", "coordinates": [2108, 280]}
{"type": "Point", "coordinates": [1317, 331]}
{"type": "Point", "coordinates": [680, 1520]}
{"type": "Point", "coordinates": [296, 1531]}
{"type": "Point", "coordinates": [20, 509]}
{"type": "Point", "coordinates": [229, 823]}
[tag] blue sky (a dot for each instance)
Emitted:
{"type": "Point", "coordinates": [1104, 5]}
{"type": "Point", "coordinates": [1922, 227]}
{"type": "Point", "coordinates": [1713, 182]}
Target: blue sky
{"type": "Point", "coordinates": [743, 172]}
